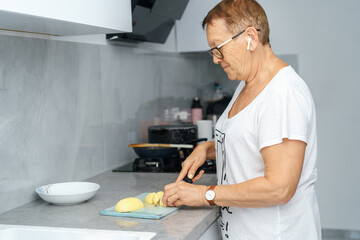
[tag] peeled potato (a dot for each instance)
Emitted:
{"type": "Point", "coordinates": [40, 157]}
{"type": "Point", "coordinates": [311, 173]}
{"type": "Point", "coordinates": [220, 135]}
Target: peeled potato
{"type": "Point", "coordinates": [149, 199]}
{"type": "Point", "coordinates": [161, 203]}
{"type": "Point", "coordinates": [158, 199]}
{"type": "Point", "coordinates": [129, 204]}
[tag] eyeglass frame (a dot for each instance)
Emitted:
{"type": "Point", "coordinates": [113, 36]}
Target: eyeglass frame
{"type": "Point", "coordinates": [210, 51]}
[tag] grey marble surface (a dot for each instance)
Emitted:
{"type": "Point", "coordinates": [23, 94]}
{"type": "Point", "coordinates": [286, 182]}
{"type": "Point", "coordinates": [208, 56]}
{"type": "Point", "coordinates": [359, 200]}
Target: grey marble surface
{"type": "Point", "coordinates": [185, 223]}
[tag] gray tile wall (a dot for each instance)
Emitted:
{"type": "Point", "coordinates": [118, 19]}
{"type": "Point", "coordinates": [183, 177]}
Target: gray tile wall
{"type": "Point", "coordinates": [69, 110]}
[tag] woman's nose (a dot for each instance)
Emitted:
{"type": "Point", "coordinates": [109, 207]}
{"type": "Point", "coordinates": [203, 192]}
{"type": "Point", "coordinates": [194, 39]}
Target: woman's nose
{"type": "Point", "coordinates": [216, 60]}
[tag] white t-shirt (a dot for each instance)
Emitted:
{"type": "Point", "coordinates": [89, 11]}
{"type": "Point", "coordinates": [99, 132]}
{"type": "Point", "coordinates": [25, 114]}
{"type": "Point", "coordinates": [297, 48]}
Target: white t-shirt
{"type": "Point", "coordinates": [283, 109]}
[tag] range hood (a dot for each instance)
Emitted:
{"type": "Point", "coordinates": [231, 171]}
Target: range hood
{"type": "Point", "coordinates": [152, 20]}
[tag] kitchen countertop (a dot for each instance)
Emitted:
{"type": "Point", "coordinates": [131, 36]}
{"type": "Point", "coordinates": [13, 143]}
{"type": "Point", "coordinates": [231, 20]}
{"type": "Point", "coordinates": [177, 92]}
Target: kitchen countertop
{"type": "Point", "coordinates": [185, 223]}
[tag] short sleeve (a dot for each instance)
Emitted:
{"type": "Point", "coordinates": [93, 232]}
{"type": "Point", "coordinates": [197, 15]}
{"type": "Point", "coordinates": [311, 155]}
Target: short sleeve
{"type": "Point", "coordinates": [285, 114]}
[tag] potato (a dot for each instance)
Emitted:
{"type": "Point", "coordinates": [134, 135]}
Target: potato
{"type": "Point", "coordinates": [129, 204]}
{"type": "Point", "coordinates": [158, 199]}
{"type": "Point", "coordinates": [149, 199]}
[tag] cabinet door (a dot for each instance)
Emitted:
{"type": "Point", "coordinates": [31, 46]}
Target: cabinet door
{"type": "Point", "coordinates": [66, 17]}
{"type": "Point", "coordinates": [189, 33]}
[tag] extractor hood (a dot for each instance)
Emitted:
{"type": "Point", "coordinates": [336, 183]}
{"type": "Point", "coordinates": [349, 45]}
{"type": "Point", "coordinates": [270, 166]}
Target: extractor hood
{"type": "Point", "coordinates": [152, 20]}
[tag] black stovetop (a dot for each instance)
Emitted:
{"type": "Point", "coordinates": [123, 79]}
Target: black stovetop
{"type": "Point", "coordinates": [168, 165]}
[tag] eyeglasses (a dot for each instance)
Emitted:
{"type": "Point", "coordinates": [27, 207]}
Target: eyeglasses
{"type": "Point", "coordinates": [215, 51]}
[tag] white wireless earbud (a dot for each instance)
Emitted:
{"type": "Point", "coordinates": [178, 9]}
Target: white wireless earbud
{"type": "Point", "coordinates": [249, 41]}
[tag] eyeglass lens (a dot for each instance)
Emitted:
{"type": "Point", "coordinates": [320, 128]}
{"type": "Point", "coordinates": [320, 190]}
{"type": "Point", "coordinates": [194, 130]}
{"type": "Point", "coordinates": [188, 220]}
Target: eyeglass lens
{"type": "Point", "coordinates": [216, 52]}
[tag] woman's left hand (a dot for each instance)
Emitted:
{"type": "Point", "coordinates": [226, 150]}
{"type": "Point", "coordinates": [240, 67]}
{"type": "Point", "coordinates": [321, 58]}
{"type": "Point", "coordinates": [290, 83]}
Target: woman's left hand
{"type": "Point", "coordinates": [181, 193]}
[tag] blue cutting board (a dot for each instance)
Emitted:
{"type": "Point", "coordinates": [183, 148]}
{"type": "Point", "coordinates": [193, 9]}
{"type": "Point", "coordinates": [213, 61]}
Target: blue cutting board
{"type": "Point", "coordinates": [149, 211]}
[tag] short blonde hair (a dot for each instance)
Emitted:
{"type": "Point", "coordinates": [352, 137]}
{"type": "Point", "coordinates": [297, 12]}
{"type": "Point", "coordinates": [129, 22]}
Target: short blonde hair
{"type": "Point", "coordinates": [239, 15]}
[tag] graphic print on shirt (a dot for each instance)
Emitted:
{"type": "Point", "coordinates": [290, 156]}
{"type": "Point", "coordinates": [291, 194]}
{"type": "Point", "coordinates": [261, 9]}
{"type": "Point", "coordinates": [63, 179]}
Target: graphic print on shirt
{"type": "Point", "coordinates": [224, 227]}
{"type": "Point", "coordinates": [221, 156]}
{"type": "Point", "coordinates": [220, 145]}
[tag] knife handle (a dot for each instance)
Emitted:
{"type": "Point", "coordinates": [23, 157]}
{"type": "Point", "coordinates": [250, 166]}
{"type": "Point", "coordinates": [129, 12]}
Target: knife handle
{"type": "Point", "coordinates": [188, 180]}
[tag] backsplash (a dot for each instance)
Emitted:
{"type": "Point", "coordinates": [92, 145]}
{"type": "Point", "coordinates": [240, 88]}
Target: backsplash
{"type": "Point", "coordinates": [69, 110]}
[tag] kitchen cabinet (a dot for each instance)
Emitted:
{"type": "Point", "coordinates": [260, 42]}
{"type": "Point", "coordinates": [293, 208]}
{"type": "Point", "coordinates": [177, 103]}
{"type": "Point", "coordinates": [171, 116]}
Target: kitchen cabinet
{"type": "Point", "coordinates": [67, 21]}
{"type": "Point", "coordinates": [190, 36]}
{"type": "Point", "coordinates": [66, 17]}
{"type": "Point", "coordinates": [212, 233]}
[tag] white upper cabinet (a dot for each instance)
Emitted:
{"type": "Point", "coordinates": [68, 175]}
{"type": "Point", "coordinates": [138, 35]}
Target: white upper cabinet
{"type": "Point", "coordinates": [66, 17]}
{"type": "Point", "coordinates": [189, 33]}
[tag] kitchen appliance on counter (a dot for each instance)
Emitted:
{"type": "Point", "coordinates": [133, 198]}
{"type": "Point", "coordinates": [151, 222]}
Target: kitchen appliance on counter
{"type": "Point", "coordinates": [165, 159]}
{"type": "Point", "coordinates": [178, 134]}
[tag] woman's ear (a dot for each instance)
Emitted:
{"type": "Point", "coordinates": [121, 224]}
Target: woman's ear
{"type": "Point", "coordinates": [253, 39]}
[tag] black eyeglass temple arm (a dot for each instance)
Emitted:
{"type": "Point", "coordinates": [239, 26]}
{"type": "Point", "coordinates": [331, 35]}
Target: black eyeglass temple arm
{"type": "Point", "coordinates": [238, 34]}
{"type": "Point", "coordinates": [243, 32]}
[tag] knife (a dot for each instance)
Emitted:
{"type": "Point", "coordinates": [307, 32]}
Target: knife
{"type": "Point", "coordinates": [188, 180]}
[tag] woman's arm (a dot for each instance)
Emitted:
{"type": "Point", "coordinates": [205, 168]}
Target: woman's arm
{"type": "Point", "coordinates": [283, 166]}
{"type": "Point", "coordinates": [210, 149]}
{"type": "Point", "coordinates": [197, 158]}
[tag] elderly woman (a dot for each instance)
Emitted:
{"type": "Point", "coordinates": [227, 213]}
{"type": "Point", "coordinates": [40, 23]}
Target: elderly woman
{"type": "Point", "coordinates": [265, 141]}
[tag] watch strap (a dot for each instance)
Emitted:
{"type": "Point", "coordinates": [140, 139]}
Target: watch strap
{"type": "Point", "coordinates": [211, 202]}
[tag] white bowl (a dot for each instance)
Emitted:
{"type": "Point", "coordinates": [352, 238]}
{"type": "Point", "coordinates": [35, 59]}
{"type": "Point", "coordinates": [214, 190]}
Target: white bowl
{"type": "Point", "coordinates": [68, 193]}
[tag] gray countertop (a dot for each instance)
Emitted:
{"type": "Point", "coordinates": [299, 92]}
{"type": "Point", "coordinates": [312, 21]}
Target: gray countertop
{"type": "Point", "coordinates": [185, 223]}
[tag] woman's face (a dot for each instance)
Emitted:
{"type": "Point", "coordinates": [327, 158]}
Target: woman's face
{"type": "Point", "coordinates": [233, 61]}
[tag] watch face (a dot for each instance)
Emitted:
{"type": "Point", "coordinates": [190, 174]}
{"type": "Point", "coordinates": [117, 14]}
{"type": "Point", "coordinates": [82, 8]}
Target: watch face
{"type": "Point", "coordinates": [210, 195]}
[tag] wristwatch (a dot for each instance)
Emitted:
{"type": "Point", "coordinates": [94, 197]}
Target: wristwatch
{"type": "Point", "coordinates": [210, 195]}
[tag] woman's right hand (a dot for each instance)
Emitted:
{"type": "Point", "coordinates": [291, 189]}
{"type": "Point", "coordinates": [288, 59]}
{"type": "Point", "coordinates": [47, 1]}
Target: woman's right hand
{"type": "Point", "coordinates": [195, 160]}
